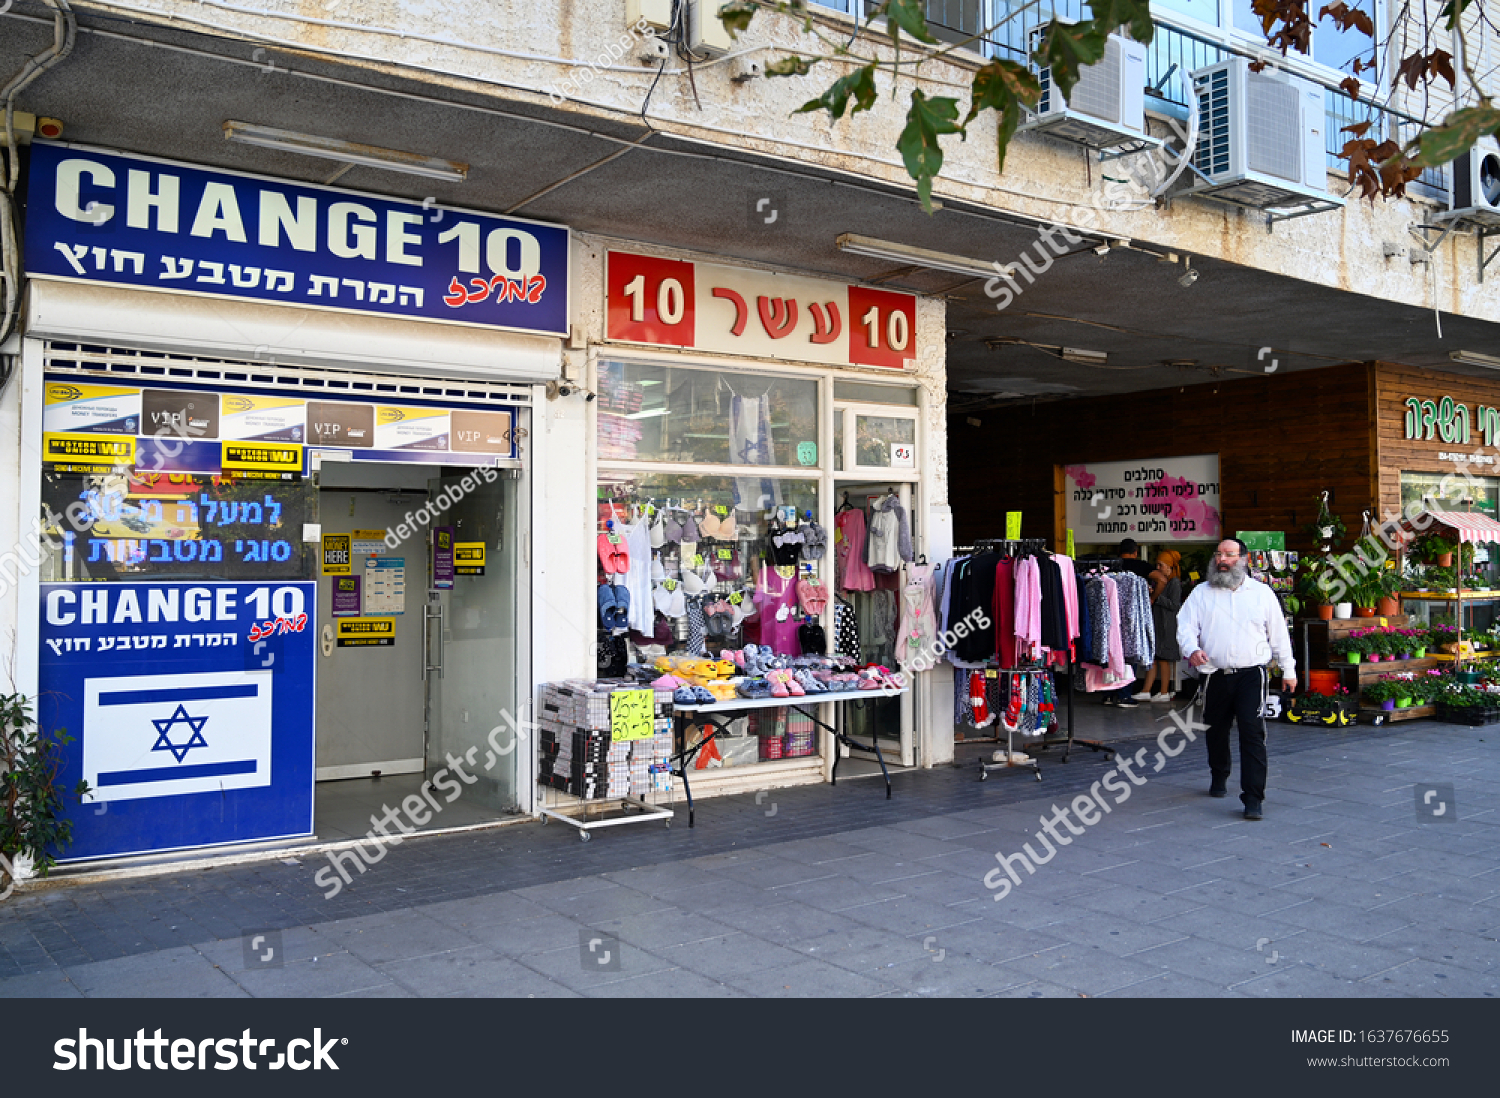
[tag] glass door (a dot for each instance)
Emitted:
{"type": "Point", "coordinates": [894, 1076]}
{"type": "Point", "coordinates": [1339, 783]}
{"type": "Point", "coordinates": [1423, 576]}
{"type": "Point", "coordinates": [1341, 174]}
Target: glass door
{"type": "Point", "coordinates": [473, 654]}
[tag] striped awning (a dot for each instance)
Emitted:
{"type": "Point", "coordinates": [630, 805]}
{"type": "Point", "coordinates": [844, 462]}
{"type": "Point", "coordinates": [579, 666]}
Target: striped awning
{"type": "Point", "coordinates": [1469, 527]}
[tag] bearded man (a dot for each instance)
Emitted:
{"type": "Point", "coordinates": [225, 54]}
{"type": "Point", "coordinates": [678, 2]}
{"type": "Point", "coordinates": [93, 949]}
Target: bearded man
{"type": "Point", "coordinates": [1234, 623]}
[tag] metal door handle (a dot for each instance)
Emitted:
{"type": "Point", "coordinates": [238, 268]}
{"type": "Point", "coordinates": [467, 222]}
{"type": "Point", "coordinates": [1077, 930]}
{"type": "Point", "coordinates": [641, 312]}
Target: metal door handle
{"type": "Point", "coordinates": [432, 612]}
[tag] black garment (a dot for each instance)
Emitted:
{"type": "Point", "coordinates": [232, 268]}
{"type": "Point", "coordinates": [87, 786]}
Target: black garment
{"type": "Point", "coordinates": [610, 656]}
{"type": "Point", "coordinates": [1054, 610]}
{"type": "Point", "coordinates": [1240, 699]}
{"type": "Point", "coordinates": [812, 638]}
{"type": "Point", "coordinates": [1142, 568]}
{"type": "Point", "coordinates": [975, 590]}
{"type": "Point", "coordinates": [1085, 623]}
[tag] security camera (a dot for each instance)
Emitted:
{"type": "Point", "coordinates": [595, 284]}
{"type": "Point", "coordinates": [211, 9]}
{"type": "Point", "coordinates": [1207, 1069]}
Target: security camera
{"type": "Point", "coordinates": [1188, 277]}
{"type": "Point", "coordinates": [566, 388]}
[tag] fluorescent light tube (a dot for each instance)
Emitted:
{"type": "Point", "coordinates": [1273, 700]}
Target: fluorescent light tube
{"type": "Point", "coordinates": [347, 152]}
{"type": "Point", "coordinates": [918, 257]}
{"type": "Point", "coordinates": [1474, 358]}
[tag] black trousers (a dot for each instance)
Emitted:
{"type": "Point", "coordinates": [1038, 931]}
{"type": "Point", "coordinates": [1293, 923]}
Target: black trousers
{"type": "Point", "coordinates": [1238, 699]}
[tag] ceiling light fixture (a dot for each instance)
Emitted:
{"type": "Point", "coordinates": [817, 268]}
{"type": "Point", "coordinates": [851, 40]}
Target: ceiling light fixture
{"type": "Point", "coordinates": [1188, 276]}
{"type": "Point", "coordinates": [347, 152]}
{"type": "Point", "coordinates": [1474, 358]}
{"type": "Point", "coordinates": [921, 257]}
{"type": "Point", "coordinates": [1082, 357]}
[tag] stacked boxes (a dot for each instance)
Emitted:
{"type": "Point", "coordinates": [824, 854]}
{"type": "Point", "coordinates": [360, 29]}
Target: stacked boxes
{"type": "Point", "coordinates": [578, 754]}
{"type": "Point", "coordinates": [785, 734]}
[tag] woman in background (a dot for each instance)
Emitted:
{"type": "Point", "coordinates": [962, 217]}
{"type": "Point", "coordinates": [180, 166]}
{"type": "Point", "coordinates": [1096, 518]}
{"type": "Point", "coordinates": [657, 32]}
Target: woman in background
{"type": "Point", "coordinates": [1166, 599]}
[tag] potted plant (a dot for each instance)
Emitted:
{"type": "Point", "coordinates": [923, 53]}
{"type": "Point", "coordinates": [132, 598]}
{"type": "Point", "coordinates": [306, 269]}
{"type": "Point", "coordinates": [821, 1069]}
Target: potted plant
{"type": "Point", "coordinates": [1379, 695]}
{"type": "Point", "coordinates": [1351, 647]}
{"type": "Point", "coordinates": [1391, 585]}
{"type": "Point", "coordinates": [1365, 594]}
{"type": "Point", "coordinates": [32, 825]}
{"type": "Point", "coordinates": [1434, 548]}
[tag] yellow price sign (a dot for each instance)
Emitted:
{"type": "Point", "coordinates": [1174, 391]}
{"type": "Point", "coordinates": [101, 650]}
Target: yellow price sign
{"type": "Point", "coordinates": [1070, 553]}
{"type": "Point", "coordinates": [630, 714]}
{"type": "Point", "coordinates": [1012, 525]}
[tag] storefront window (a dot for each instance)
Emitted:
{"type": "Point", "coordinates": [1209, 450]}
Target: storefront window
{"type": "Point", "coordinates": [885, 442]}
{"type": "Point", "coordinates": [653, 412]}
{"type": "Point", "coordinates": [114, 526]}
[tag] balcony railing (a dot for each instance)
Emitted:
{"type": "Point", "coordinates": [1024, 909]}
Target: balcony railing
{"type": "Point", "coordinates": [1173, 53]}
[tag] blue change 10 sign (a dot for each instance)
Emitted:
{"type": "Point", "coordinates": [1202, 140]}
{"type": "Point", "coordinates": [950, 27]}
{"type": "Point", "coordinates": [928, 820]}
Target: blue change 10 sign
{"type": "Point", "coordinates": [95, 216]}
{"type": "Point", "coordinates": [191, 711]}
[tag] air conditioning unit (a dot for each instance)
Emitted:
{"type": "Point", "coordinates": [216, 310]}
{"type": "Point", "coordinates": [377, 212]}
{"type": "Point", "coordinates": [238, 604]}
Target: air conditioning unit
{"type": "Point", "coordinates": [1260, 139]}
{"type": "Point", "coordinates": [1476, 187]}
{"type": "Point", "coordinates": [1108, 104]}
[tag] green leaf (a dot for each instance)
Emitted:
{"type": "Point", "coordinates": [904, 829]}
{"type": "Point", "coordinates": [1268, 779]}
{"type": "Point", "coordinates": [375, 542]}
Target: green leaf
{"type": "Point", "coordinates": [927, 120]}
{"type": "Point", "coordinates": [860, 84]}
{"type": "Point", "coordinates": [905, 15]}
{"type": "Point", "coordinates": [1067, 48]}
{"type": "Point", "coordinates": [792, 66]}
{"type": "Point", "coordinates": [1448, 10]}
{"type": "Point", "coordinates": [1456, 135]}
{"type": "Point", "coordinates": [736, 15]}
{"type": "Point", "coordinates": [1004, 87]}
{"type": "Point", "coordinates": [1134, 15]}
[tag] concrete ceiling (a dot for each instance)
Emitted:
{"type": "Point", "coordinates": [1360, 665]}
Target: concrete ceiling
{"type": "Point", "coordinates": [168, 97]}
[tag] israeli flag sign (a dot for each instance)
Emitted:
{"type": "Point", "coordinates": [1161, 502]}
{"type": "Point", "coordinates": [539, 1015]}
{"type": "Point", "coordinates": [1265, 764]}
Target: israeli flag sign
{"type": "Point", "coordinates": [157, 736]}
{"type": "Point", "coordinates": [191, 711]}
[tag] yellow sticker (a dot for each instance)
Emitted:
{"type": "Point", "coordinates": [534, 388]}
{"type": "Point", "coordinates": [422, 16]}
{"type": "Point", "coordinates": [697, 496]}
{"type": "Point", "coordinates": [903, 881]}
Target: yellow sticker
{"type": "Point", "coordinates": [991, 673]}
{"type": "Point", "coordinates": [366, 632]}
{"type": "Point", "coordinates": [1193, 576]}
{"type": "Point", "coordinates": [697, 560]}
{"type": "Point", "coordinates": [338, 555]}
{"type": "Point", "coordinates": [1012, 525]}
{"type": "Point", "coordinates": [630, 715]}
{"type": "Point", "coordinates": [273, 456]}
{"type": "Point", "coordinates": [726, 554]}
{"type": "Point", "coordinates": [736, 598]}
{"type": "Point", "coordinates": [89, 449]}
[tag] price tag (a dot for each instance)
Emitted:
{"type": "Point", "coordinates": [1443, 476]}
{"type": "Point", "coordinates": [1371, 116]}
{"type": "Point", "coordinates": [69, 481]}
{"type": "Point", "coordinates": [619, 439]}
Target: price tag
{"type": "Point", "coordinates": [1382, 623]}
{"type": "Point", "coordinates": [614, 539]}
{"type": "Point", "coordinates": [630, 713]}
{"type": "Point", "coordinates": [736, 598]}
{"type": "Point", "coordinates": [721, 510]}
{"type": "Point", "coordinates": [726, 554]}
{"type": "Point", "coordinates": [991, 673]}
{"type": "Point", "coordinates": [1070, 543]}
{"type": "Point", "coordinates": [1012, 525]}
{"type": "Point", "coordinates": [697, 560]}
{"type": "Point", "coordinates": [1193, 576]}
{"type": "Point", "coordinates": [786, 571]}
{"type": "Point", "coordinates": [670, 585]}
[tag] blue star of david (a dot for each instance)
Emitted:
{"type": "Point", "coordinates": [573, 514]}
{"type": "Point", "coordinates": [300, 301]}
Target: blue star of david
{"type": "Point", "coordinates": [164, 728]}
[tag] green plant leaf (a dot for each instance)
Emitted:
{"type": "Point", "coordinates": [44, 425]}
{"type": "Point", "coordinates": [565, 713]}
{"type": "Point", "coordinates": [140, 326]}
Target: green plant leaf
{"type": "Point", "coordinates": [791, 66]}
{"type": "Point", "coordinates": [905, 15]}
{"type": "Point", "coordinates": [1066, 48]}
{"type": "Point", "coordinates": [1134, 15]}
{"type": "Point", "coordinates": [1448, 10]}
{"type": "Point", "coordinates": [860, 84]}
{"type": "Point", "coordinates": [1457, 134]}
{"type": "Point", "coordinates": [1004, 87]}
{"type": "Point", "coordinates": [926, 121]}
{"type": "Point", "coordinates": [736, 15]}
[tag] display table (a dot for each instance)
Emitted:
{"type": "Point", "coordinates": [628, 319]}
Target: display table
{"type": "Point", "coordinates": [712, 714]}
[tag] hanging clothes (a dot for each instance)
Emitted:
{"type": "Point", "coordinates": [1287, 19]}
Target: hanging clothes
{"type": "Point", "coordinates": [853, 573]}
{"type": "Point", "coordinates": [890, 536]}
{"type": "Point", "coordinates": [845, 630]}
{"type": "Point", "coordinates": [750, 444]}
{"type": "Point", "coordinates": [974, 589]}
{"type": "Point", "coordinates": [1053, 609]}
{"type": "Point", "coordinates": [1028, 624]}
{"type": "Point", "coordinates": [917, 633]}
{"type": "Point", "coordinates": [1003, 611]}
{"type": "Point", "coordinates": [1069, 580]}
{"type": "Point", "coordinates": [777, 592]}
{"type": "Point", "coordinates": [1137, 633]}
{"type": "Point", "coordinates": [638, 577]}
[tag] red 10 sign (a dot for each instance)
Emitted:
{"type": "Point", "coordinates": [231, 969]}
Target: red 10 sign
{"type": "Point", "coordinates": [757, 313]}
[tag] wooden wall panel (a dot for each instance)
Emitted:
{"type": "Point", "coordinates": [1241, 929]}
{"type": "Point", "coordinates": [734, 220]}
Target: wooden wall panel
{"type": "Point", "coordinates": [1280, 440]}
{"type": "Point", "coordinates": [1393, 384]}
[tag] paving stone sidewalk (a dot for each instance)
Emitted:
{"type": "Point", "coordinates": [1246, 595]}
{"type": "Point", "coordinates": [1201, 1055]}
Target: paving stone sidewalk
{"type": "Point", "coordinates": [1351, 886]}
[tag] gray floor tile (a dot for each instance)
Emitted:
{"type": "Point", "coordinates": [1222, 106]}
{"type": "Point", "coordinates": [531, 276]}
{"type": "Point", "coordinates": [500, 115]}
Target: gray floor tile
{"type": "Point", "coordinates": [606, 903]}
{"type": "Point", "coordinates": [41, 985]}
{"type": "Point", "coordinates": [538, 935]}
{"type": "Point", "coordinates": [676, 983]}
{"type": "Point", "coordinates": [730, 955]}
{"type": "Point", "coordinates": [834, 894]}
{"type": "Point", "coordinates": [411, 935]}
{"type": "Point", "coordinates": [660, 929]}
{"type": "Point", "coordinates": [864, 948]}
{"type": "Point", "coordinates": [579, 971]}
{"type": "Point", "coordinates": [807, 979]}
{"type": "Point", "coordinates": [951, 977]}
{"type": "Point", "coordinates": [330, 974]}
{"type": "Point", "coordinates": [476, 972]}
{"type": "Point", "coordinates": [497, 907]}
{"type": "Point", "coordinates": [1091, 971]}
{"type": "Point", "coordinates": [180, 973]}
{"type": "Point", "coordinates": [909, 916]}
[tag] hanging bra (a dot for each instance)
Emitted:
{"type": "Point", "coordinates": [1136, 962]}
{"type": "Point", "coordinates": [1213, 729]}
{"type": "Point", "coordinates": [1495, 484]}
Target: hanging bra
{"type": "Point", "coordinates": [714, 527]}
{"type": "Point", "coordinates": [680, 526]}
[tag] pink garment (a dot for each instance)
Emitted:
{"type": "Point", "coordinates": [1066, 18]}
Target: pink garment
{"type": "Point", "coordinates": [772, 593]}
{"type": "Point", "coordinates": [854, 573]}
{"type": "Point", "coordinates": [916, 638]}
{"type": "Point", "coordinates": [1070, 594]}
{"type": "Point", "coordinates": [1028, 609]}
{"type": "Point", "coordinates": [1112, 676]}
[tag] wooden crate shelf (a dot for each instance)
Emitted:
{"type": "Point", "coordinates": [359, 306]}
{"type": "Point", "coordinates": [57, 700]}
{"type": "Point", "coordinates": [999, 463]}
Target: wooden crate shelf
{"type": "Point", "coordinates": [1410, 713]}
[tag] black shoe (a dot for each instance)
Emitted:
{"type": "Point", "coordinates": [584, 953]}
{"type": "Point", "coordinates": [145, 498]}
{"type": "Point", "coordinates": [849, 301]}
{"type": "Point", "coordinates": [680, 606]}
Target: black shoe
{"type": "Point", "coordinates": [1127, 703]}
{"type": "Point", "coordinates": [1252, 812]}
{"type": "Point", "coordinates": [1218, 790]}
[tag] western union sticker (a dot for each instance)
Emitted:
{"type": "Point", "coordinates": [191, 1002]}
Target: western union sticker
{"type": "Point", "coordinates": [269, 457]}
{"type": "Point", "coordinates": [89, 449]}
{"type": "Point", "coordinates": [337, 555]}
{"type": "Point", "coordinates": [366, 632]}
{"type": "Point", "coordinates": [468, 558]}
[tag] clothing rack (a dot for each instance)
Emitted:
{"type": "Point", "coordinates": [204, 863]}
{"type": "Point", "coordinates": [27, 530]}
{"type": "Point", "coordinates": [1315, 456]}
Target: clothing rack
{"type": "Point", "coordinates": [1030, 764]}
